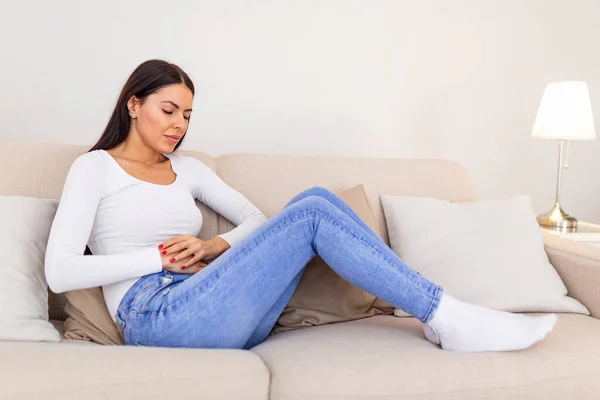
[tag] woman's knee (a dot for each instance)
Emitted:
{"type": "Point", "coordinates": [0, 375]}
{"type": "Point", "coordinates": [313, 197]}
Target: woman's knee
{"type": "Point", "coordinates": [315, 192]}
{"type": "Point", "coordinates": [314, 202]}
{"type": "Point", "coordinates": [319, 191]}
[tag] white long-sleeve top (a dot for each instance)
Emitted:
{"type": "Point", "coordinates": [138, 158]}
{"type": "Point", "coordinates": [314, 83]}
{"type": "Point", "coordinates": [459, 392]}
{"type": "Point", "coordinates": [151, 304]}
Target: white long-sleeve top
{"type": "Point", "coordinates": [123, 220]}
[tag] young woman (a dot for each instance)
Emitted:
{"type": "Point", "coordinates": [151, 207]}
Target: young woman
{"type": "Point", "coordinates": [130, 199]}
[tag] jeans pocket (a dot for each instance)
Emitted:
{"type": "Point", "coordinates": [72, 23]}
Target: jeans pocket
{"type": "Point", "coordinates": [164, 285]}
{"type": "Point", "coordinates": [144, 290]}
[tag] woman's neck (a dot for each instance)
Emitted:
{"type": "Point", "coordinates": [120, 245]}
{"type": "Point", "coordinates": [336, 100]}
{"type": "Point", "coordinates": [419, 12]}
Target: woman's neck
{"type": "Point", "coordinates": [133, 148]}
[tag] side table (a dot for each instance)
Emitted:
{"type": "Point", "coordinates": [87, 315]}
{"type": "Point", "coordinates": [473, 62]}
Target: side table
{"type": "Point", "coordinates": [585, 232]}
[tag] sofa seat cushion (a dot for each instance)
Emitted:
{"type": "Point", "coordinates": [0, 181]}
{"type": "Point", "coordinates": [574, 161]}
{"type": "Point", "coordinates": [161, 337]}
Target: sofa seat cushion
{"type": "Point", "coordinates": [75, 369]}
{"type": "Point", "coordinates": [384, 357]}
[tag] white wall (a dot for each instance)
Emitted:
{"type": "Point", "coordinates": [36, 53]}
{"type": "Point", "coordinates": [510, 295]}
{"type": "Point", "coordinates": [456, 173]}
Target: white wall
{"type": "Point", "coordinates": [458, 79]}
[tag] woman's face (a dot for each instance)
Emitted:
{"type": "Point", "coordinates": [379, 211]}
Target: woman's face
{"type": "Point", "coordinates": [163, 118]}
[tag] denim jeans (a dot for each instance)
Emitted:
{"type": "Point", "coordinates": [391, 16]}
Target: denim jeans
{"type": "Point", "coordinates": [236, 300]}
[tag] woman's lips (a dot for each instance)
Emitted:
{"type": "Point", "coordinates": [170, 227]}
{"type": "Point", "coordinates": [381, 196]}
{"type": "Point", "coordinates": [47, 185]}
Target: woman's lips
{"type": "Point", "coordinates": [173, 139]}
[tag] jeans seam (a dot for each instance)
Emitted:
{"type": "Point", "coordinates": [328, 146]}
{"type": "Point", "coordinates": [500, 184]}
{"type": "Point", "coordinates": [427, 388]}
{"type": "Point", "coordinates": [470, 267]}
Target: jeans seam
{"type": "Point", "coordinates": [126, 325]}
{"type": "Point", "coordinates": [386, 259]}
{"type": "Point", "coordinates": [433, 305]}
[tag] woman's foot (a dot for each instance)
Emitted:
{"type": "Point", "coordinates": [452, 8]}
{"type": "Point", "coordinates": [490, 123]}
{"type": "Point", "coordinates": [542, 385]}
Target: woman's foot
{"type": "Point", "coordinates": [468, 328]}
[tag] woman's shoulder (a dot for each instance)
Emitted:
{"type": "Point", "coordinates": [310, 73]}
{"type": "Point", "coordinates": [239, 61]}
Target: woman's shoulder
{"type": "Point", "coordinates": [87, 173]}
{"type": "Point", "coordinates": [90, 160]}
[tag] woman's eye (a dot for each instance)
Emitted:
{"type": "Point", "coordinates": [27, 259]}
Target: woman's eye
{"type": "Point", "coordinates": [171, 112]}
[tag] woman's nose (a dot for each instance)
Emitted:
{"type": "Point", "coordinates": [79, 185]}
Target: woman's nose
{"type": "Point", "coordinates": [179, 123]}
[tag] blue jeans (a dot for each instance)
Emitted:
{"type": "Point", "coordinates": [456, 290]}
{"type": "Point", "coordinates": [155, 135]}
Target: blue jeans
{"type": "Point", "coordinates": [236, 300]}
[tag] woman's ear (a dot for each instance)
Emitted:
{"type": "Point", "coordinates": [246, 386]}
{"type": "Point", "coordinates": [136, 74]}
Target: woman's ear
{"type": "Point", "coordinates": [133, 105]}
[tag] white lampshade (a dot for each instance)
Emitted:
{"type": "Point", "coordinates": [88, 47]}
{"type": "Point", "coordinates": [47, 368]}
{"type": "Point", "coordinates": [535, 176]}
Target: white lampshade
{"type": "Point", "coordinates": [565, 113]}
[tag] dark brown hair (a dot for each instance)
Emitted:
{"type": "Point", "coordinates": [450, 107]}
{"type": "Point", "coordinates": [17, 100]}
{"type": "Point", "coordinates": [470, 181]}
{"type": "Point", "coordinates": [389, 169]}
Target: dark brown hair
{"type": "Point", "coordinates": [146, 79]}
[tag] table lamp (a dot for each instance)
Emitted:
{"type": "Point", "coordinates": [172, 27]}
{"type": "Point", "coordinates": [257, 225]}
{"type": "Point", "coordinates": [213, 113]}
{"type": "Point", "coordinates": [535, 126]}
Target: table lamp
{"type": "Point", "coordinates": [565, 113]}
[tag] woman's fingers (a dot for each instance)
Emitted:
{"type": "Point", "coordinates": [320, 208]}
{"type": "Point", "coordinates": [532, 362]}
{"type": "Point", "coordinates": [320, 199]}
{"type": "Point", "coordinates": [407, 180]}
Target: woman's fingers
{"type": "Point", "coordinates": [196, 258]}
{"type": "Point", "coordinates": [175, 248]}
{"type": "Point", "coordinates": [177, 243]}
{"type": "Point", "coordinates": [183, 255]}
{"type": "Point", "coordinates": [170, 242]}
{"type": "Point", "coordinates": [193, 268]}
{"type": "Point", "coordinates": [183, 252]}
{"type": "Point", "coordinates": [190, 252]}
{"type": "Point", "coordinates": [170, 261]}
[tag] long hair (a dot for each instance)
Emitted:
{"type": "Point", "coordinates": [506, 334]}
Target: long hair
{"type": "Point", "coordinates": [146, 79]}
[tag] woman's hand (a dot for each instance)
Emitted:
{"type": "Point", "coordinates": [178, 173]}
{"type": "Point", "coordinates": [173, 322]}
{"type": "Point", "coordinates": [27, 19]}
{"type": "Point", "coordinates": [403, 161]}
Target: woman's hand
{"type": "Point", "coordinates": [183, 252]}
{"type": "Point", "coordinates": [183, 266]}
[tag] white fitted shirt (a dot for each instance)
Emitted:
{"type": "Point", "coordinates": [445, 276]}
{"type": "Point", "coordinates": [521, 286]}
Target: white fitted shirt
{"type": "Point", "coordinates": [123, 219]}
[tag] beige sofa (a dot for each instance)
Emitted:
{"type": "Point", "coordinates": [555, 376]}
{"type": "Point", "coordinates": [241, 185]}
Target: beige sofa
{"type": "Point", "coordinates": [382, 357]}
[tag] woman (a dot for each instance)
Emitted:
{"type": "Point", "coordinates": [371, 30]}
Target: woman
{"type": "Point", "coordinates": [130, 199]}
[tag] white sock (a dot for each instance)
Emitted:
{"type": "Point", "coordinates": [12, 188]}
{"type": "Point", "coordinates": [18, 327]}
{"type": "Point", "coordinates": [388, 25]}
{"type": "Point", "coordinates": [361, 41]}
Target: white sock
{"type": "Point", "coordinates": [468, 328]}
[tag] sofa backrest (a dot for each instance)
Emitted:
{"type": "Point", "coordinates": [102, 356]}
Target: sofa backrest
{"type": "Point", "coordinates": [269, 181]}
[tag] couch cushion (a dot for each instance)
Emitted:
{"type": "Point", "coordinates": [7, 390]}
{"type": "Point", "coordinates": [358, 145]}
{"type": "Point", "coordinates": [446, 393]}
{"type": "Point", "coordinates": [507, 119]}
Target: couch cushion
{"type": "Point", "coordinates": [77, 370]}
{"type": "Point", "coordinates": [384, 357]}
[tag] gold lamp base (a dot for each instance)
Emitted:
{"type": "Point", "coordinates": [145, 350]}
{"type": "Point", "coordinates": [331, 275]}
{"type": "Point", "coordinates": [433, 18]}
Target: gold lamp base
{"type": "Point", "coordinates": [558, 220]}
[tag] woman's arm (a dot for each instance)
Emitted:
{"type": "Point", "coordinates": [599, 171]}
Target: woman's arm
{"type": "Point", "coordinates": [211, 190]}
{"type": "Point", "coordinates": [66, 267]}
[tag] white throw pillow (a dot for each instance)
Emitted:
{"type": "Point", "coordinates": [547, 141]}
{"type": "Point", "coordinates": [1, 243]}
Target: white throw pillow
{"type": "Point", "coordinates": [24, 229]}
{"type": "Point", "coordinates": [489, 253]}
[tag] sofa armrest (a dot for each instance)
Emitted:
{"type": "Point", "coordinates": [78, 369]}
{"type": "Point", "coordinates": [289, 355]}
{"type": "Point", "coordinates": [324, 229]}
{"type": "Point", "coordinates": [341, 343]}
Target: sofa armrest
{"type": "Point", "coordinates": [578, 265]}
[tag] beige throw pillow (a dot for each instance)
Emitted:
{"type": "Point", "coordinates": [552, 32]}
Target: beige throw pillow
{"type": "Point", "coordinates": [322, 296]}
{"type": "Point", "coordinates": [24, 228]}
{"type": "Point", "coordinates": [490, 253]}
{"type": "Point", "coordinates": [89, 318]}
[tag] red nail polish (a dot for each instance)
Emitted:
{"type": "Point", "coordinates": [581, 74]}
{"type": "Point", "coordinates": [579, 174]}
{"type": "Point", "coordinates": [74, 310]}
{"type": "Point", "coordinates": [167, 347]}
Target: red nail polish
{"type": "Point", "coordinates": [183, 267]}
{"type": "Point", "coordinates": [172, 260]}
{"type": "Point", "coordinates": [164, 252]}
{"type": "Point", "coordinates": [160, 246]}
